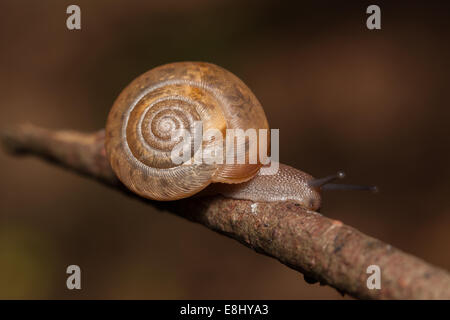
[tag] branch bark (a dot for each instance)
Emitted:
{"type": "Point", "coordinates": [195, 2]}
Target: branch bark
{"type": "Point", "coordinates": [323, 249]}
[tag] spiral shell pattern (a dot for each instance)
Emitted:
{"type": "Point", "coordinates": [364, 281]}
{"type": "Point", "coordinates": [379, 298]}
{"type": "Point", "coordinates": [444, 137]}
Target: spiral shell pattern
{"type": "Point", "coordinates": [142, 122]}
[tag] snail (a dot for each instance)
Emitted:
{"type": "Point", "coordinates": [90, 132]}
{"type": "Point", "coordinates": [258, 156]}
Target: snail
{"type": "Point", "coordinates": [170, 98]}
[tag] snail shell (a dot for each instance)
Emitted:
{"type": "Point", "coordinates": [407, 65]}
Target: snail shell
{"type": "Point", "coordinates": [143, 118]}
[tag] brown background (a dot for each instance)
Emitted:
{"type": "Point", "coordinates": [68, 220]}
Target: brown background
{"type": "Point", "coordinates": [375, 103]}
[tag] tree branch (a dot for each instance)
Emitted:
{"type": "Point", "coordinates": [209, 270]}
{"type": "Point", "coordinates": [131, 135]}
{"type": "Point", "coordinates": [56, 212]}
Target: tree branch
{"type": "Point", "coordinates": [322, 249]}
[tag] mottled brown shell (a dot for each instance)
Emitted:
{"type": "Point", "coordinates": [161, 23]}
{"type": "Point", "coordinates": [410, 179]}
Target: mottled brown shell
{"type": "Point", "coordinates": [169, 97]}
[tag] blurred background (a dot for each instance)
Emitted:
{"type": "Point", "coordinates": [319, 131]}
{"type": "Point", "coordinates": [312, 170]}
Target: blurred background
{"type": "Point", "coordinates": [374, 103]}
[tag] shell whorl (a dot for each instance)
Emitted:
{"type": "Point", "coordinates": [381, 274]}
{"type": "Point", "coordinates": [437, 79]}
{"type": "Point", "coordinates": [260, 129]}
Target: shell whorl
{"type": "Point", "coordinates": [141, 123]}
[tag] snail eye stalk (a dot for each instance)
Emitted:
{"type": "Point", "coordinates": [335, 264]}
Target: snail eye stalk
{"type": "Point", "coordinates": [325, 184]}
{"type": "Point", "coordinates": [335, 186]}
{"type": "Point", "coordinates": [318, 183]}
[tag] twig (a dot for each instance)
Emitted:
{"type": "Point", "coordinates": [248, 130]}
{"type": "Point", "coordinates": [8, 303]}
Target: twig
{"type": "Point", "coordinates": [323, 249]}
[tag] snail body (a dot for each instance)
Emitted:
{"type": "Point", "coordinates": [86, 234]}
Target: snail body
{"type": "Point", "coordinates": [139, 137]}
{"type": "Point", "coordinates": [287, 184]}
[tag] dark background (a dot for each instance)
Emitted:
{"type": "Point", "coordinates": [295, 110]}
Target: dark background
{"type": "Point", "coordinates": [375, 103]}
